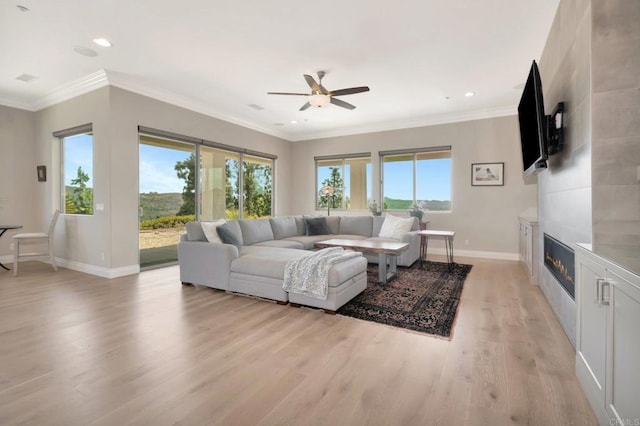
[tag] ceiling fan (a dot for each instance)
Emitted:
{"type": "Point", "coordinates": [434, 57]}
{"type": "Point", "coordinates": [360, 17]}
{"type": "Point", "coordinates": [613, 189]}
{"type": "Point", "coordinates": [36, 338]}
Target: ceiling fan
{"type": "Point", "coordinates": [320, 97]}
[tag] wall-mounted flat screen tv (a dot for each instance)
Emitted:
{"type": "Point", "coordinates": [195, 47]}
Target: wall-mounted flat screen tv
{"type": "Point", "coordinates": [533, 138]}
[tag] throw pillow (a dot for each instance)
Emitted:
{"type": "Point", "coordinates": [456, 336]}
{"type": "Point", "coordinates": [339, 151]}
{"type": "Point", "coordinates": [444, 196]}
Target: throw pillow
{"type": "Point", "coordinates": [227, 236]}
{"type": "Point", "coordinates": [194, 231]}
{"type": "Point", "coordinates": [316, 226]}
{"type": "Point", "coordinates": [394, 226]}
{"type": "Point", "coordinates": [209, 229]}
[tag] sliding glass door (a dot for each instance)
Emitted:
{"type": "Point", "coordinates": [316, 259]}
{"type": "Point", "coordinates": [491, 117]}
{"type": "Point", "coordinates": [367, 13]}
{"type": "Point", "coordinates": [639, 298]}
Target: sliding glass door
{"type": "Point", "coordinates": [167, 197]}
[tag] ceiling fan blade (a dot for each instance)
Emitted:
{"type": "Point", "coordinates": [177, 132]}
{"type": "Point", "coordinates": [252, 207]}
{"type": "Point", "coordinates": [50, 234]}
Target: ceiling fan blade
{"type": "Point", "coordinates": [287, 93]}
{"type": "Point", "coordinates": [305, 106]}
{"type": "Point", "coordinates": [342, 104]}
{"type": "Point", "coordinates": [349, 91]}
{"type": "Point", "coordinates": [315, 86]}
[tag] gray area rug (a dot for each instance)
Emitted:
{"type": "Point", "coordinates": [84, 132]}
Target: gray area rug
{"type": "Point", "coordinates": [422, 298]}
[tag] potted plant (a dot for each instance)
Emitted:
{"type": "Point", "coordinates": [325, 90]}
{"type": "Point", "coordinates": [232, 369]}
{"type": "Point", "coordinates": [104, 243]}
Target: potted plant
{"type": "Point", "coordinates": [416, 212]}
{"type": "Point", "coordinates": [373, 207]}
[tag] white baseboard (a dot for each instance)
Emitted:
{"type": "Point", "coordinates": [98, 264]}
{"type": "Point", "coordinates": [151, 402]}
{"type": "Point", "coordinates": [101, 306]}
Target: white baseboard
{"type": "Point", "coordinates": [498, 255]}
{"type": "Point", "coordinates": [98, 270]}
{"type": "Point", "coordinates": [87, 268]}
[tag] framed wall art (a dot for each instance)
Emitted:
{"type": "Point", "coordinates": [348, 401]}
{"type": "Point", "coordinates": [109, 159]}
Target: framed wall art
{"type": "Point", "coordinates": [487, 174]}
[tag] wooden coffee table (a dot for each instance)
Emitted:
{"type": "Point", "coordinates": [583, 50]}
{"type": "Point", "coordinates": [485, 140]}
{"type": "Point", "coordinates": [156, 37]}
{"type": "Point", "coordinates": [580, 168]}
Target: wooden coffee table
{"type": "Point", "coordinates": [387, 252]}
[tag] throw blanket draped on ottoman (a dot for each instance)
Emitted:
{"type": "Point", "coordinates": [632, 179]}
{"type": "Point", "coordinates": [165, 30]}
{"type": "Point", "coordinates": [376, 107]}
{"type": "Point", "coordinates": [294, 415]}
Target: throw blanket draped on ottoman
{"type": "Point", "coordinates": [309, 275]}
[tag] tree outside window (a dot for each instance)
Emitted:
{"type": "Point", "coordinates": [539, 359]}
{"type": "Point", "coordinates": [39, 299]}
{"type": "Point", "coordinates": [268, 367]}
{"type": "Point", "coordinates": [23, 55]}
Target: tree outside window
{"type": "Point", "coordinates": [77, 170]}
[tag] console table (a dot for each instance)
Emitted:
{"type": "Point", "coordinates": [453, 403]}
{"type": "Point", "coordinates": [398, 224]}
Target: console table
{"type": "Point", "coordinates": [448, 243]}
{"type": "Point", "coordinates": [3, 229]}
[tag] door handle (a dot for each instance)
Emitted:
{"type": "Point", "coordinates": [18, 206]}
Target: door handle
{"type": "Point", "coordinates": [598, 290]}
{"type": "Point", "coordinates": [607, 285]}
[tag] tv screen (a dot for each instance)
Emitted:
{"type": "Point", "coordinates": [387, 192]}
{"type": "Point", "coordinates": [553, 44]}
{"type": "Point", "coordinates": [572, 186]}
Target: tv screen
{"type": "Point", "coordinates": [532, 124]}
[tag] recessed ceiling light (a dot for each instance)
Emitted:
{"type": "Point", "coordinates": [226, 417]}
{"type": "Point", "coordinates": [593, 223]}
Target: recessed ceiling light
{"type": "Point", "coordinates": [85, 51]}
{"type": "Point", "coordinates": [469, 94]}
{"type": "Point", "coordinates": [22, 8]}
{"type": "Point", "coordinates": [294, 122]}
{"type": "Point", "coordinates": [278, 124]}
{"type": "Point", "coordinates": [102, 42]}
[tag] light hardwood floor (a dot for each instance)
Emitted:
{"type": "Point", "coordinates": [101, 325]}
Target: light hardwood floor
{"type": "Point", "coordinates": [77, 349]}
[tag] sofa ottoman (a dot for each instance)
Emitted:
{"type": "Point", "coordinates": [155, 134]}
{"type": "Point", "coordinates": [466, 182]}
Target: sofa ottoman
{"type": "Point", "coordinates": [259, 271]}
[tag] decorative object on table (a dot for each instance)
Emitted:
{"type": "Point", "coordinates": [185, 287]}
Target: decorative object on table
{"type": "Point", "coordinates": [420, 299]}
{"type": "Point", "coordinates": [328, 191]}
{"type": "Point", "coordinates": [35, 238]}
{"type": "Point", "coordinates": [375, 209]}
{"type": "Point", "coordinates": [487, 174]}
{"type": "Point", "coordinates": [416, 211]}
{"type": "Point", "coordinates": [42, 173]}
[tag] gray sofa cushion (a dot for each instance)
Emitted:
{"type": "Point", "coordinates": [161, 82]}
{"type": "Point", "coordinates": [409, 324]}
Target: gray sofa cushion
{"type": "Point", "coordinates": [316, 225]}
{"type": "Point", "coordinates": [377, 224]}
{"type": "Point", "coordinates": [227, 236]}
{"type": "Point", "coordinates": [357, 225]}
{"type": "Point", "coordinates": [300, 225]}
{"type": "Point", "coordinates": [334, 224]}
{"type": "Point", "coordinates": [194, 231]}
{"type": "Point", "coordinates": [255, 230]}
{"type": "Point", "coordinates": [286, 243]}
{"type": "Point", "coordinates": [283, 227]}
{"type": "Point", "coordinates": [264, 261]}
{"type": "Point", "coordinates": [308, 240]}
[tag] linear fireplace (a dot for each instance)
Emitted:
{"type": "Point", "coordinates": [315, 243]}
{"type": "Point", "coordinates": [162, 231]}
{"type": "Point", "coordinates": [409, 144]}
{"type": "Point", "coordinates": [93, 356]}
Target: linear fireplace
{"type": "Point", "coordinates": [560, 261]}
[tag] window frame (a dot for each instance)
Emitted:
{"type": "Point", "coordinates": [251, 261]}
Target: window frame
{"type": "Point", "coordinates": [199, 143]}
{"type": "Point", "coordinates": [415, 152]}
{"type": "Point", "coordinates": [343, 158]}
{"type": "Point", "coordinates": [61, 135]}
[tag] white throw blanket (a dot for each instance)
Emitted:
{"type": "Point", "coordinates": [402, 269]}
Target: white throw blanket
{"type": "Point", "coordinates": [309, 275]}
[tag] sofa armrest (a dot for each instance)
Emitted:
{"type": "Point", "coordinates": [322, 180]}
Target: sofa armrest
{"type": "Point", "coordinates": [206, 263]}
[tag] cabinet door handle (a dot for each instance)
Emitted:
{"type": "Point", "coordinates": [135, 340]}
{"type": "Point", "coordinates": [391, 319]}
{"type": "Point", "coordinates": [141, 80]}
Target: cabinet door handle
{"type": "Point", "coordinates": [607, 285]}
{"type": "Point", "coordinates": [598, 290]}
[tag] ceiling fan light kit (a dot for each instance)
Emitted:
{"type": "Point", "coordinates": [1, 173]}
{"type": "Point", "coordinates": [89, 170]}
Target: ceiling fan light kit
{"type": "Point", "coordinates": [321, 97]}
{"type": "Point", "coordinates": [319, 100]}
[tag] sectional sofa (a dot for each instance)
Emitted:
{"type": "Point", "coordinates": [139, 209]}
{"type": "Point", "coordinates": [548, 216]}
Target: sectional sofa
{"type": "Point", "coordinates": [255, 265]}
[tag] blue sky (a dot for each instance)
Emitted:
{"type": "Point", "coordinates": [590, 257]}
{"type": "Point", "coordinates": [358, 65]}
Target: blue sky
{"type": "Point", "coordinates": [78, 152]}
{"type": "Point", "coordinates": [157, 173]}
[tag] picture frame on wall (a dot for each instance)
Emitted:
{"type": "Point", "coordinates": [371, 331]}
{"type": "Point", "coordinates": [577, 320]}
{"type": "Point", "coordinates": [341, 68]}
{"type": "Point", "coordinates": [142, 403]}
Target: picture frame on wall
{"type": "Point", "coordinates": [487, 174]}
{"type": "Point", "coordinates": [42, 173]}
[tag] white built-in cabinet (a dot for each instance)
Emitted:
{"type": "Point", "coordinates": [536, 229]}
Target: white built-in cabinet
{"type": "Point", "coordinates": [529, 247]}
{"type": "Point", "coordinates": [608, 337]}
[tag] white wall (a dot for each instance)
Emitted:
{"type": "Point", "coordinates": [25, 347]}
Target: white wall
{"type": "Point", "coordinates": [19, 204]}
{"type": "Point", "coordinates": [485, 216]}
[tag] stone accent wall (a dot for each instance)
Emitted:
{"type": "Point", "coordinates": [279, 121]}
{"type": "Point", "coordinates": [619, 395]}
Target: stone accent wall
{"type": "Point", "coordinates": [564, 190]}
{"type": "Point", "coordinates": [616, 130]}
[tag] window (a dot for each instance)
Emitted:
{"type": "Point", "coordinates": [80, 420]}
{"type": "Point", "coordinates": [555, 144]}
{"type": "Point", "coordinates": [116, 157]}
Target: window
{"type": "Point", "coordinates": [257, 188]}
{"type": "Point", "coordinates": [215, 181]}
{"type": "Point", "coordinates": [219, 184]}
{"type": "Point", "coordinates": [76, 156]}
{"type": "Point", "coordinates": [349, 176]}
{"type": "Point", "coordinates": [419, 177]}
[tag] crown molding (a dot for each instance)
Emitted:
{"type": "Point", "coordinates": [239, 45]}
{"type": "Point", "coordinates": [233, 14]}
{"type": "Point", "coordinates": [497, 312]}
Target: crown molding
{"type": "Point", "coordinates": [12, 103]}
{"type": "Point", "coordinates": [72, 89]}
{"type": "Point", "coordinates": [104, 78]}
{"type": "Point", "coordinates": [432, 120]}
{"type": "Point", "coordinates": [122, 82]}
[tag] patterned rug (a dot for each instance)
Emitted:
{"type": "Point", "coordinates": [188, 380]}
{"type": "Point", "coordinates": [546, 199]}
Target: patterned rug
{"type": "Point", "coordinates": [422, 299]}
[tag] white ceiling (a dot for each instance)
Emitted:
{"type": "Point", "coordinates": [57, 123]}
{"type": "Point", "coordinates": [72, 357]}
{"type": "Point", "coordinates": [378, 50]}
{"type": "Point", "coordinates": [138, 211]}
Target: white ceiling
{"type": "Point", "coordinates": [218, 57]}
